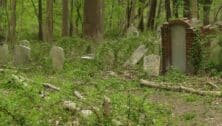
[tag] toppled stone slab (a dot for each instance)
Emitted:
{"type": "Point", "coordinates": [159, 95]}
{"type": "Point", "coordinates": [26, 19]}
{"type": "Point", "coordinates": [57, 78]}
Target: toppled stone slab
{"type": "Point", "coordinates": [136, 56]}
{"type": "Point", "coordinates": [51, 87]}
{"type": "Point", "coordinates": [86, 113]}
{"type": "Point", "coordinates": [71, 106]}
{"type": "Point", "coordinates": [151, 65]}
{"type": "Point", "coordinates": [88, 57]}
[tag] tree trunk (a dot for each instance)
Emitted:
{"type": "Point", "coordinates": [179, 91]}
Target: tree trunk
{"type": "Point", "coordinates": [65, 18]}
{"type": "Point", "coordinates": [206, 11]}
{"type": "Point", "coordinates": [12, 23]}
{"type": "Point", "coordinates": [187, 9]}
{"type": "Point", "coordinates": [168, 9]}
{"type": "Point", "coordinates": [71, 20]}
{"type": "Point", "coordinates": [93, 19]}
{"type": "Point", "coordinates": [49, 21]}
{"type": "Point", "coordinates": [130, 12]}
{"type": "Point", "coordinates": [40, 34]}
{"type": "Point", "coordinates": [194, 9]}
{"type": "Point", "coordinates": [141, 17]}
{"type": "Point", "coordinates": [152, 14]}
{"type": "Point", "coordinates": [175, 8]}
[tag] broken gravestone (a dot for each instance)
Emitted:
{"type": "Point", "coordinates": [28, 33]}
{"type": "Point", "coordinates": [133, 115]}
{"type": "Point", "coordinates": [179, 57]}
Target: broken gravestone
{"type": "Point", "coordinates": [3, 54]}
{"type": "Point", "coordinates": [21, 55]}
{"type": "Point", "coordinates": [136, 56]}
{"type": "Point", "coordinates": [24, 43]}
{"type": "Point", "coordinates": [58, 57]}
{"type": "Point", "coordinates": [132, 31]}
{"type": "Point", "coordinates": [151, 65]}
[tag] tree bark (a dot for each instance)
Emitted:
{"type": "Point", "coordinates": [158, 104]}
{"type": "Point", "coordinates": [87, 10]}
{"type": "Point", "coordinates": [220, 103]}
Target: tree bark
{"type": "Point", "coordinates": [40, 34]}
{"type": "Point", "coordinates": [130, 12]}
{"type": "Point", "coordinates": [12, 23]}
{"type": "Point", "coordinates": [141, 17]}
{"type": "Point", "coordinates": [65, 18]}
{"type": "Point", "coordinates": [206, 11]}
{"type": "Point", "coordinates": [93, 19]}
{"type": "Point", "coordinates": [194, 9]}
{"type": "Point", "coordinates": [152, 14]}
{"type": "Point", "coordinates": [71, 20]}
{"type": "Point", "coordinates": [187, 9]}
{"type": "Point", "coordinates": [175, 8]}
{"type": "Point", "coordinates": [49, 21]}
{"type": "Point", "coordinates": [180, 89]}
{"type": "Point", "coordinates": [168, 9]}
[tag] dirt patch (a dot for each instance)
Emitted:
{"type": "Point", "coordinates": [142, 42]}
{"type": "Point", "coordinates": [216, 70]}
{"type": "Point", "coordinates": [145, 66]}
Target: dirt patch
{"type": "Point", "coordinates": [198, 112]}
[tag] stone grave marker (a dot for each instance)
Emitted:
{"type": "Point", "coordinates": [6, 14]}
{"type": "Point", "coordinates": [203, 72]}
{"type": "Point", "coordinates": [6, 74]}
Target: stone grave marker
{"type": "Point", "coordinates": [58, 57]}
{"type": "Point", "coordinates": [22, 55]}
{"type": "Point", "coordinates": [136, 56]}
{"type": "Point", "coordinates": [151, 65]}
{"type": "Point", "coordinates": [177, 39]}
{"type": "Point", "coordinates": [24, 43]}
{"type": "Point", "coordinates": [4, 53]}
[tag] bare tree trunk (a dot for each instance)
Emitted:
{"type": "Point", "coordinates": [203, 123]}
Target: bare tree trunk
{"type": "Point", "coordinates": [49, 21]}
{"type": "Point", "coordinates": [71, 20]}
{"type": "Point", "coordinates": [130, 12]}
{"type": "Point", "coordinates": [168, 9]}
{"type": "Point", "coordinates": [152, 14]}
{"type": "Point", "coordinates": [194, 9]}
{"type": "Point", "coordinates": [187, 9]}
{"type": "Point", "coordinates": [12, 23]}
{"type": "Point", "coordinates": [93, 19]}
{"type": "Point", "coordinates": [141, 17]}
{"type": "Point", "coordinates": [40, 34]}
{"type": "Point", "coordinates": [65, 18]}
{"type": "Point", "coordinates": [176, 8]}
{"type": "Point", "coordinates": [206, 11]}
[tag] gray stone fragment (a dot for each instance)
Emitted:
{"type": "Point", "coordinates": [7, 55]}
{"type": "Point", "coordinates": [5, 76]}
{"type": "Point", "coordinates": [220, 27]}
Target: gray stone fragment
{"type": "Point", "coordinates": [136, 56]}
{"type": "Point", "coordinates": [151, 65]}
{"type": "Point", "coordinates": [24, 43]}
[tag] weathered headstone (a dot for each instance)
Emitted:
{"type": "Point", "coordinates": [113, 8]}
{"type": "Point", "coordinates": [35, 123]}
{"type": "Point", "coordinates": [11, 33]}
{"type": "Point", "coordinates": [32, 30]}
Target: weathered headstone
{"type": "Point", "coordinates": [22, 55]}
{"type": "Point", "coordinates": [58, 57]}
{"type": "Point", "coordinates": [151, 65]}
{"type": "Point", "coordinates": [132, 31]}
{"type": "Point", "coordinates": [25, 43]}
{"type": "Point", "coordinates": [3, 54]}
{"type": "Point", "coordinates": [136, 56]}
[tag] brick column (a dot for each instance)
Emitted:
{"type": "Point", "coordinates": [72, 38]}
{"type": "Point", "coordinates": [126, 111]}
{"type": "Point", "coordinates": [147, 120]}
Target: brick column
{"type": "Point", "coordinates": [190, 36]}
{"type": "Point", "coordinates": [166, 46]}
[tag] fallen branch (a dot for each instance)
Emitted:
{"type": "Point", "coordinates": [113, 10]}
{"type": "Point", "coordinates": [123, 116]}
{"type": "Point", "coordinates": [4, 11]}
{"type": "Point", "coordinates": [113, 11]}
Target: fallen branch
{"type": "Point", "coordinates": [50, 86]}
{"type": "Point", "coordinates": [212, 85]}
{"type": "Point", "coordinates": [180, 89]}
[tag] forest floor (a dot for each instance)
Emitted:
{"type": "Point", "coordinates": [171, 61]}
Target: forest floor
{"type": "Point", "coordinates": [25, 101]}
{"type": "Point", "coordinates": [26, 105]}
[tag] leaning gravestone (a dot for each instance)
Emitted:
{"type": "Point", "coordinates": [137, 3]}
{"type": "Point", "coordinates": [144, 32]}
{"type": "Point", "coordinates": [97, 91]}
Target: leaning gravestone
{"type": "Point", "coordinates": [136, 56]}
{"type": "Point", "coordinates": [58, 57]}
{"type": "Point", "coordinates": [3, 54]}
{"type": "Point", "coordinates": [22, 55]}
{"type": "Point", "coordinates": [151, 65]}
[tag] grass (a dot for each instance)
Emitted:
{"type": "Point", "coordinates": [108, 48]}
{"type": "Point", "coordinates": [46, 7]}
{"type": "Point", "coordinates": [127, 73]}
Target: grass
{"type": "Point", "coordinates": [21, 102]}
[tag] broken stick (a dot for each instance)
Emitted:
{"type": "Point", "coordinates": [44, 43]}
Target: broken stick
{"type": "Point", "coordinates": [180, 89]}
